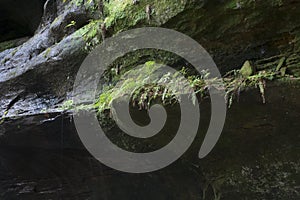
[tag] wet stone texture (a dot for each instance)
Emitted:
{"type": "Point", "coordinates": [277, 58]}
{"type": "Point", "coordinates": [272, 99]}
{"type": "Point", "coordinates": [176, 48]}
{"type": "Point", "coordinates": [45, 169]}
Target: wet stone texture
{"type": "Point", "coordinates": [41, 156]}
{"type": "Point", "coordinates": [257, 157]}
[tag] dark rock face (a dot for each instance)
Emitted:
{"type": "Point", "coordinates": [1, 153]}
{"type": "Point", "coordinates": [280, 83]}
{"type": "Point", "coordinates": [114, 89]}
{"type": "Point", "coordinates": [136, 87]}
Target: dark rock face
{"type": "Point", "coordinates": [41, 156]}
{"type": "Point", "coordinates": [41, 69]}
{"type": "Point", "coordinates": [235, 32]}
{"type": "Point", "coordinates": [19, 18]}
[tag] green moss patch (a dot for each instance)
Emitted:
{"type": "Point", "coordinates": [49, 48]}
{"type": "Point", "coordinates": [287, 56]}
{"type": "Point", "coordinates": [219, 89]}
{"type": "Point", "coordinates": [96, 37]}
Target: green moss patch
{"type": "Point", "coordinates": [136, 84]}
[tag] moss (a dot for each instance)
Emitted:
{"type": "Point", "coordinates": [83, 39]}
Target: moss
{"type": "Point", "coordinates": [123, 14]}
{"type": "Point", "coordinates": [140, 84]}
{"type": "Point", "coordinates": [139, 57]}
{"type": "Point", "coordinates": [90, 33]}
{"type": "Point", "coordinates": [80, 2]}
{"type": "Point", "coordinates": [280, 64]}
{"type": "Point", "coordinates": [47, 51]}
{"type": "Point", "coordinates": [232, 4]}
{"type": "Point", "coordinates": [247, 69]}
{"type": "Point", "coordinates": [3, 118]}
{"type": "Point", "coordinates": [67, 105]}
{"type": "Point", "coordinates": [72, 23]}
{"type": "Point", "coordinates": [104, 100]}
{"type": "Point", "coordinates": [143, 90]}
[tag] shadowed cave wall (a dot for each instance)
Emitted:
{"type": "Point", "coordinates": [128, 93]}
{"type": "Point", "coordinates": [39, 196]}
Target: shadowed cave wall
{"type": "Point", "coordinates": [19, 18]}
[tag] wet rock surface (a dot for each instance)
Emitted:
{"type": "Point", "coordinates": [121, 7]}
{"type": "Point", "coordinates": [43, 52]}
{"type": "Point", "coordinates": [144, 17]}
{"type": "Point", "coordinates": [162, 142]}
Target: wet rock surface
{"type": "Point", "coordinates": [41, 156]}
{"type": "Point", "coordinates": [256, 157]}
{"type": "Point", "coordinates": [45, 65]}
{"type": "Point", "coordinates": [41, 69]}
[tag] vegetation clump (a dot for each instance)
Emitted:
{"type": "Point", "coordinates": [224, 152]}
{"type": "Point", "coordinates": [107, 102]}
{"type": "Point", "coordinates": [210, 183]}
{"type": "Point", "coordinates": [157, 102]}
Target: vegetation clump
{"type": "Point", "coordinates": [143, 93]}
{"type": "Point", "coordinates": [123, 15]}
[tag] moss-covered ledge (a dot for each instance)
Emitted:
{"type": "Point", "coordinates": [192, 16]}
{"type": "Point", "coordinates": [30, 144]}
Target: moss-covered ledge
{"type": "Point", "coordinates": [135, 83]}
{"type": "Point", "coordinates": [235, 82]}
